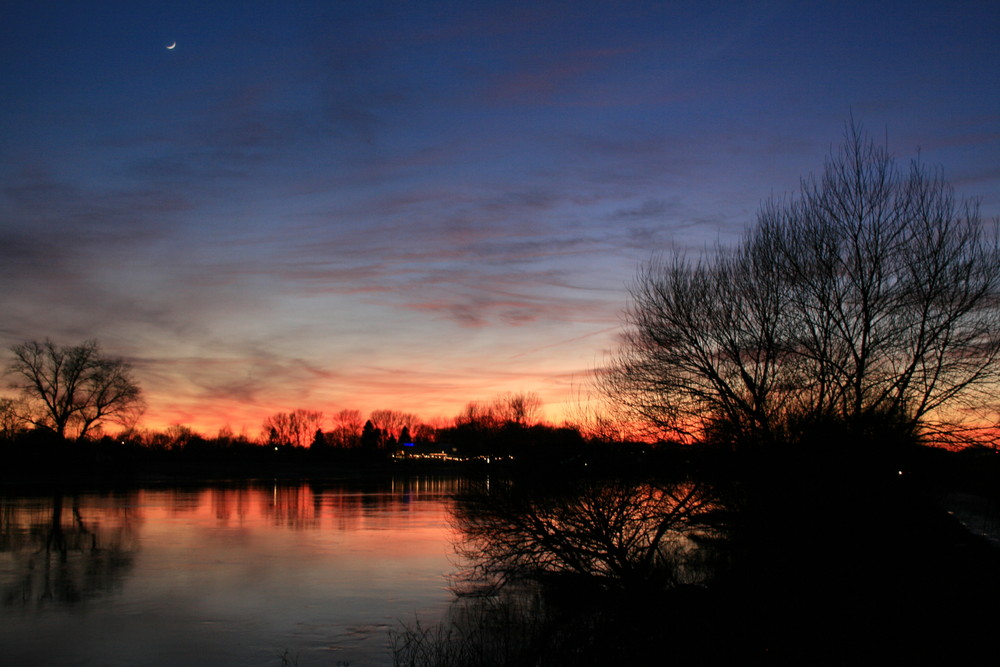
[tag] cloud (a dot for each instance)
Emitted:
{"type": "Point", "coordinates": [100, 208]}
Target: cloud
{"type": "Point", "coordinates": [474, 269]}
{"type": "Point", "coordinates": [553, 78]}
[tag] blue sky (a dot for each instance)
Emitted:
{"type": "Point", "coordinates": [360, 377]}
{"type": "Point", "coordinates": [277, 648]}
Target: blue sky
{"type": "Point", "coordinates": [370, 205]}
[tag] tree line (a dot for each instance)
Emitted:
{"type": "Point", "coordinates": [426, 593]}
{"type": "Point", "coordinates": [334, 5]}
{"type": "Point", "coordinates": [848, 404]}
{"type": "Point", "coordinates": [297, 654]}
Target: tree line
{"type": "Point", "coordinates": [866, 308]}
{"type": "Point", "coordinates": [78, 392]}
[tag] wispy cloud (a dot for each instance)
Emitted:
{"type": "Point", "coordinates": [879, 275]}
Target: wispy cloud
{"type": "Point", "coordinates": [412, 205]}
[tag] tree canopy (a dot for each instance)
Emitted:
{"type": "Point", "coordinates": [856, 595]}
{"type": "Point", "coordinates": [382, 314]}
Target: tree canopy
{"type": "Point", "coordinates": [869, 301]}
{"type": "Point", "coordinates": [75, 388]}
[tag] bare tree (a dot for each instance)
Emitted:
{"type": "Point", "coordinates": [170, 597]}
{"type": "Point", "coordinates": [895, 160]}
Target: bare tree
{"type": "Point", "coordinates": [74, 387]}
{"type": "Point", "coordinates": [703, 347]}
{"type": "Point", "coordinates": [296, 428]}
{"type": "Point", "coordinates": [178, 436]}
{"type": "Point", "coordinates": [392, 422]}
{"type": "Point", "coordinates": [424, 433]}
{"type": "Point", "coordinates": [521, 408]}
{"type": "Point", "coordinates": [872, 299]}
{"type": "Point", "coordinates": [478, 415]}
{"type": "Point", "coordinates": [895, 290]}
{"type": "Point", "coordinates": [596, 417]}
{"type": "Point", "coordinates": [11, 419]}
{"type": "Point", "coordinates": [347, 425]}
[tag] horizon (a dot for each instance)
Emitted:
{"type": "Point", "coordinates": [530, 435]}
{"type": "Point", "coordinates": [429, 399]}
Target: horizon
{"type": "Point", "coordinates": [381, 206]}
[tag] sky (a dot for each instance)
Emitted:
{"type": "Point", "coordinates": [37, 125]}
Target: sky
{"type": "Point", "coordinates": [413, 205]}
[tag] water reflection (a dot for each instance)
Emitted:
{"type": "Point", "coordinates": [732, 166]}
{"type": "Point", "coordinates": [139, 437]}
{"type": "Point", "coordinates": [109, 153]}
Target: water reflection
{"type": "Point", "coordinates": [607, 572]}
{"type": "Point", "coordinates": [223, 574]}
{"type": "Point", "coordinates": [615, 534]}
{"type": "Point", "coordinates": [307, 506]}
{"type": "Point", "coordinates": [62, 550]}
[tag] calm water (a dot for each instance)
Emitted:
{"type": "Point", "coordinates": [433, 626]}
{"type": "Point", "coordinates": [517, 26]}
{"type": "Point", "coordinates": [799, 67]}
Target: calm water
{"type": "Point", "coordinates": [222, 575]}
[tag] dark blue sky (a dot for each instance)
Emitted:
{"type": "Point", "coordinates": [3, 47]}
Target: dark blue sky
{"type": "Point", "coordinates": [412, 205]}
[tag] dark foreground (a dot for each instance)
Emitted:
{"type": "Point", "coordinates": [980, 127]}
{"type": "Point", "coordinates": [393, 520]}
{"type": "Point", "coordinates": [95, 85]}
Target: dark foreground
{"type": "Point", "coordinates": [839, 568]}
{"type": "Point", "coordinates": [820, 565]}
{"type": "Point", "coordinates": [888, 579]}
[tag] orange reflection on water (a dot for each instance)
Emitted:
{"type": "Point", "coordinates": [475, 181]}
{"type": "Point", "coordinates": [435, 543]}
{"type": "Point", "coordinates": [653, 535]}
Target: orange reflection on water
{"type": "Point", "coordinates": [229, 571]}
{"type": "Point", "coordinates": [297, 506]}
{"type": "Point", "coordinates": [82, 531]}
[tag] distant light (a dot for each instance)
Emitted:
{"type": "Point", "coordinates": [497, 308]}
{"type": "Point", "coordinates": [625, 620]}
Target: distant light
{"type": "Point", "coordinates": [407, 444]}
{"type": "Point", "coordinates": [275, 448]}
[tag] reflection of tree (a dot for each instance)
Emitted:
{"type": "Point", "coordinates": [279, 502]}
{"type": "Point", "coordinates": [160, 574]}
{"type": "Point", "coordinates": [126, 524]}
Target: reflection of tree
{"type": "Point", "coordinates": [297, 506]}
{"type": "Point", "coordinates": [63, 555]}
{"type": "Point", "coordinates": [352, 505]}
{"type": "Point", "coordinates": [292, 506]}
{"type": "Point", "coordinates": [626, 549]}
{"type": "Point", "coordinates": [620, 535]}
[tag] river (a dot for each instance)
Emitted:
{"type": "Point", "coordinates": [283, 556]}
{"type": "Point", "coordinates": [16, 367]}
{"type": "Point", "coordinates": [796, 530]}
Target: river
{"type": "Point", "coordinates": [223, 574]}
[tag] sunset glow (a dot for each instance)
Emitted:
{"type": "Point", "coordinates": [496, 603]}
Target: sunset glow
{"type": "Point", "coordinates": [371, 206]}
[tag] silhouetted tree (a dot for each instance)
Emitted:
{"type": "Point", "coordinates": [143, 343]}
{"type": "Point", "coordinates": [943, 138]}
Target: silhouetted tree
{"type": "Point", "coordinates": [871, 301]}
{"type": "Point", "coordinates": [347, 425]}
{"type": "Point", "coordinates": [179, 436]}
{"type": "Point", "coordinates": [477, 416]}
{"type": "Point", "coordinates": [295, 428]}
{"type": "Point", "coordinates": [599, 419]}
{"type": "Point", "coordinates": [521, 409]}
{"type": "Point", "coordinates": [225, 436]}
{"type": "Point", "coordinates": [371, 437]}
{"type": "Point", "coordinates": [10, 418]}
{"type": "Point", "coordinates": [390, 423]}
{"type": "Point", "coordinates": [424, 433]}
{"type": "Point", "coordinates": [517, 408]}
{"type": "Point", "coordinates": [74, 387]}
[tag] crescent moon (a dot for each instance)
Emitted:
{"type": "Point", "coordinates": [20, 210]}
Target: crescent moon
{"type": "Point", "coordinates": [172, 46]}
